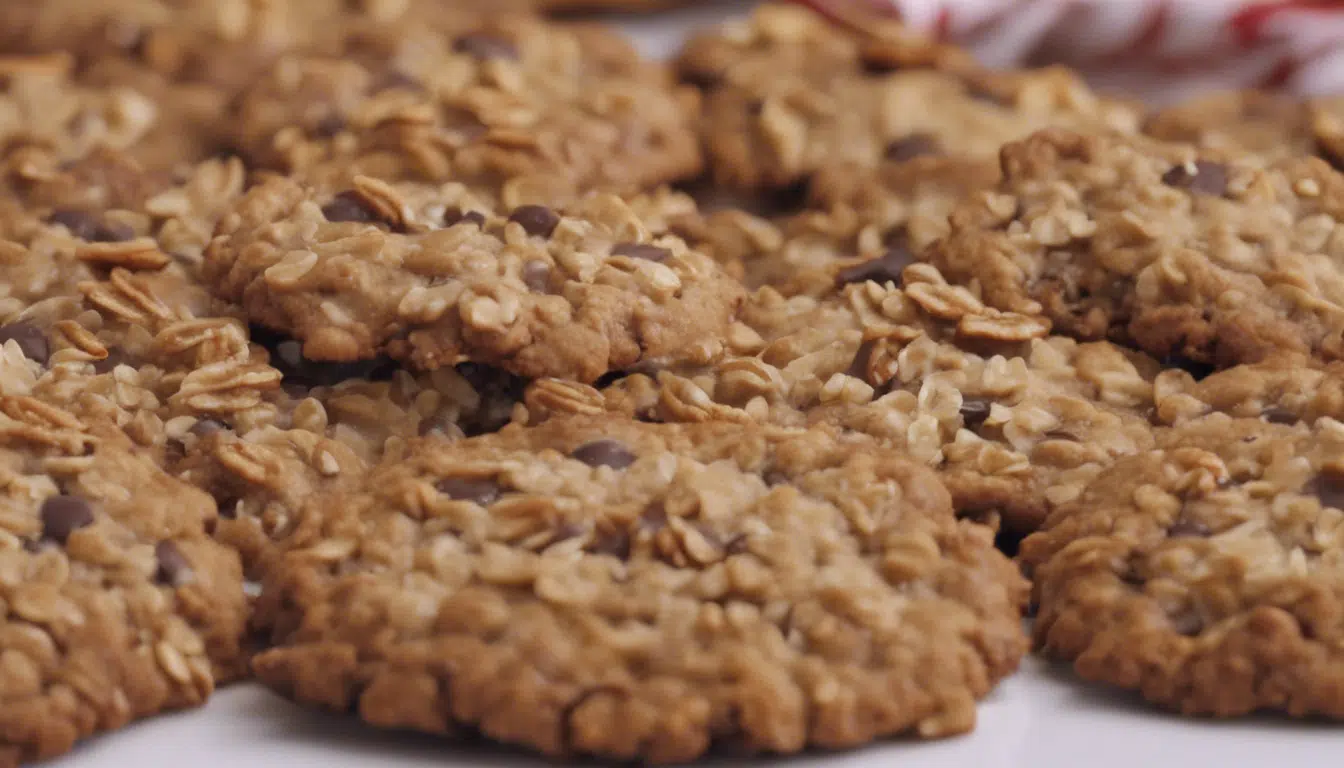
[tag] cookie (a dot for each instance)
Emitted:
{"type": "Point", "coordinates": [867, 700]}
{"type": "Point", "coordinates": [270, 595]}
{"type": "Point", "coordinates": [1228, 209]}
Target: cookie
{"type": "Point", "coordinates": [1200, 260]}
{"type": "Point", "coordinates": [534, 291]}
{"type": "Point", "coordinates": [1276, 392]}
{"type": "Point", "coordinates": [643, 592]}
{"type": "Point", "coordinates": [789, 94]}
{"type": "Point", "coordinates": [1206, 574]}
{"type": "Point", "coordinates": [118, 604]}
{"type": "Point", "coordinates": [1266, 125]}
{"type": "Point", "coordinates": [1013, 420]}
{"type": "Point", "coordinates": [513, 106]}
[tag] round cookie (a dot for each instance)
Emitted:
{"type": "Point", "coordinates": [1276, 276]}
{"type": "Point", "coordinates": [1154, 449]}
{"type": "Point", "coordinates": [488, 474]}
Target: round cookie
{"type": "Point", "coordinates": [1207, 575]}
{"type": "Point", "coordinates": [515, 107]}
{"type": "Point", "coordinates": [118, 605]}
{"type": "Point", "coordinates": [536, 292]}
{"type": "Point", "coordinates": [598, 586]}
{"type": "Point", "coordinates": [1200, 260]}
{"type": "Point", "coordinates": [789, 95]}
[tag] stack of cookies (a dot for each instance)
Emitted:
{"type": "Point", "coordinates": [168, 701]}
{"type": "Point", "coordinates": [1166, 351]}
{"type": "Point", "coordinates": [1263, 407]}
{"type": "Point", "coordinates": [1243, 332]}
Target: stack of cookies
{"type": "Point", "coordinates": [459, 368]}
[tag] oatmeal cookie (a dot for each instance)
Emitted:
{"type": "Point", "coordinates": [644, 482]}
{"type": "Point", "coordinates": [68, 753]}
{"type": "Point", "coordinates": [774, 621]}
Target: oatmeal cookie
{"type": "Point", "coordinates": [513, 106]}
{"type": "Point", "coordinates": [630, 591]}
{"type": "Point", "coordinates": [1014, 421]}
{"type": "Point", "coordinates": [1207, 575]}
{"type": "Point", "coordinates": [1277, 392]}
{"type": "Point", "coordinates": [537, 292]}
{"type": "Point", "coordinates": [1198, 259]}
{"type": "Point", "coordinates": [1265, 125]}
{"type": "Point", "coordinates": [788, 94]}
{"type": "Point", "coordinates": [118, 604]}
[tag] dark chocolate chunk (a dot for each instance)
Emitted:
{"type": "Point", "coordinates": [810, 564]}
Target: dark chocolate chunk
{"type": "Point", "coordinates": [63, 515]}
{"type": "Point", "coordinates": [885, 269]}
{"type": "Point", "coordinates": [1207, 178]}
{"type": "Point", "coordinates": [536, 220]}
{"type": "Point", "coordinates": [30, 338]}
{"type": "Point", "coordinates": [604, 453]}
{"type": "Point", "coordinates": [480, 490]}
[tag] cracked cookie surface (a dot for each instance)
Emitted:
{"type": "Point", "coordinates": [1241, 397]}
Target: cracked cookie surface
{"type": "Point", "coordinates": [537, 292]}
{"type": "Point", "coordinates": [118, 604]}
{"type": "Point", "coordinates": [632, 591]}
{"type": "Point", "coordinates": [1206, 575]}
{"type": "Point", "coordinates": [1200, 260]}
{"type": "Point", "coordinates": [1013, 420]}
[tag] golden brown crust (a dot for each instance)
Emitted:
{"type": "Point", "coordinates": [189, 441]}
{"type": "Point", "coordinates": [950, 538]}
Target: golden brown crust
{"type": "Point", "coordinates": [1196, 259]}
{"type": "Point", "coordinates": [118, 604]}
{"type": "Point", "coordinates": [598, 586]}
{"type": "Point", "coordinates": [532, 291]}
{"type": "Point", "coordinates": [1205, 575]}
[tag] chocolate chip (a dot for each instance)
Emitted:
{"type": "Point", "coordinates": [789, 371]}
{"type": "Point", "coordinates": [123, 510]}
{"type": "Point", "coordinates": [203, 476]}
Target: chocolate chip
{"type": "Point", "coordinates": [982, 93]}
{"type": "Point", "coordinates": [81, 224]}
{"type": "Point", "coordinates": [604, 453]}
{"type": "Point", "coordinates": [481, 45]}
{"type": "Point", "coordinates": [31, 340]}
{"type": "Point", "coordinates": [611, 542]}
{"type": "Point", "coordinates": [34, 546]}
{"type": "Point", "coordinates": [885, 269]}
{"type": "Point", "coordinates": [457, 216]}
{"type": "Point", "coordinates": [654, 517]}
{"type": "Point", "coordinates": [1207, 178]}
{"type": "Point", "coordinates": [641, 251]}
{"type": "Point", "coordinates": [1280, 415]}
{"type": "Point", "coordinates": [537, 276]}
{"type": "Point", "coordinates": [113, 232]}
{"type": "Point", "coordinates": [348, 206]}
{"type": "Point", "coordinates": [173, 567]}
{"type": "Point", "coordinates": [736, 545]}
{"type": "Point", "coordinates": [1184, 526]}
{"type": "Point", "coordinates": [329, 126]}
{"type": "Point", "coordinates": [480, 490]}
{"type": "Point", "coordinates": [108, 364]}
{"type": "Point", "coordinates": [63, 515]}
{"type": "Point", "coordinates": [974, 411]}
{"type": "Point", "coordinates": [912, 146]}
{"type": "Point", "coordinates": [1329, 488]}
{"type": "Point", "coordinates": [536, 220]}
{"type": "Point", "coordinates": [1187, 624]}
{"type": "Point", "coordinates": [206, 427]}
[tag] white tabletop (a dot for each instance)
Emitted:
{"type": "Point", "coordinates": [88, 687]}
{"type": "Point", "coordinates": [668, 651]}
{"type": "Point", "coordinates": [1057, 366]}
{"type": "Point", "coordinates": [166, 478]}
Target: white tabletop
{"type": "Point", "coordinates": [1040, 718]}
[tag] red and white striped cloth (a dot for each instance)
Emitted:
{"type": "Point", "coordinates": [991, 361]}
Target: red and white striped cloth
{"type": "Point", "coordinates": [1161, 50]}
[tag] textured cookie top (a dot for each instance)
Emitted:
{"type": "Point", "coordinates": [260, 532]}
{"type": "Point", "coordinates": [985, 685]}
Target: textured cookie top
{"type": "Point", "coordinates": [1195, 259]}
{"type": "Point", "coordinates": [1268, 125]}
{"type": "Point", "coordinates": [510, 105]}
{"type": "Point", "coordinates": [790, 95]}
{"type": "Point", "coordinates": [1278, 392]}
{"type": "Point", "coordinates": [599, 586]}
{"type": "Point", "coordinates": [118, 604]}
{"type": "Point", "coordinates": [535, 291]}
{"type": "Point", "coordinates": [1208, 574]}
{"type": "Point", "coordinates": [1013, 419]}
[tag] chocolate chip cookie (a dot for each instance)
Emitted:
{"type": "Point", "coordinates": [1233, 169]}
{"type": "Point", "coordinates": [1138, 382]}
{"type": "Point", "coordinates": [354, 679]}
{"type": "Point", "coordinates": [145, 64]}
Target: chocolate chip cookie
{"type": "Point", "coordinates": [1203, 261]}
{"type": "Point", "coordinates": [788, 95]}
{"type": "Point", "coordinates": [512, 106]}
{"type": "Point", "coordinates": [1262, 124]}
{"type": "Point", "coordinates": [1207, 574]}
{"type": "Point", "coordinates": [1015, 421]}
{"type": "Point", "coordinates": [118, 604]}
{"type": "Point", "coordinates": [628, 591]}
{"type": "Point", "coordinates": [533, 290]}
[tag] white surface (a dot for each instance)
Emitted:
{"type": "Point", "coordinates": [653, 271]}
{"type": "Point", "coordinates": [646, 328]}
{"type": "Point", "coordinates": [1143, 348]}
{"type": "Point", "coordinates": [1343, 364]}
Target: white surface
{"type": "Point", "coordinates": [1041, 718]}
